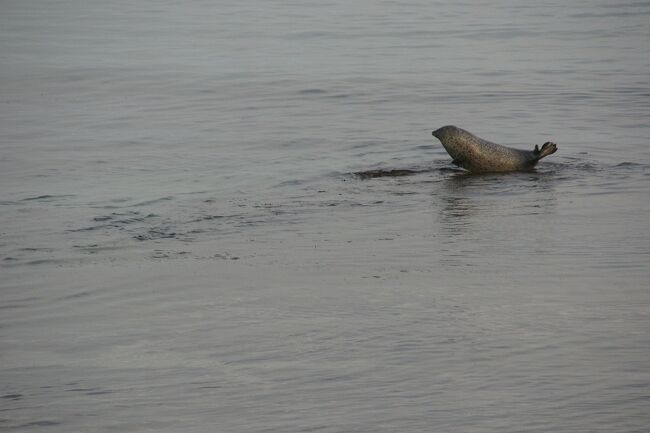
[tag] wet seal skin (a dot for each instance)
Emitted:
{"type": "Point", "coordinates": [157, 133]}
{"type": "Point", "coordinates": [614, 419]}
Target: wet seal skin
{"type": "Point", "coordinates": [477, 155]}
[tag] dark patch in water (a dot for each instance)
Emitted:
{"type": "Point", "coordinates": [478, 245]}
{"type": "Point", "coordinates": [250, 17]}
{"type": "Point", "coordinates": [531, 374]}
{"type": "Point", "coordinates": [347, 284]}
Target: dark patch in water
{"type": "Point", "coordinates": [113, 221]}
{"type": "Point", "coordinates": [125, 200]}
{"type": "Point", "coordinates": [12, 396]}
{"type": "Point", "coordinates": [99, 392]}
{"type": "Point", "coordinates": [91, 391]}
{"type": "Point", "coordinates": [210, 217]}
{"type": "Point", "coordinates": [451, 170]}
{"type": "Point", "coordinates": [160, 254]}
{"type": "Point", "coordinates": [47, 197]}
{"type": "Point", "coordinates": [225, 256]}
{"type": "Point", "coordinates": [215, 217]}
{"type": "Point", "coordinates": [371, 174]}
{"type": "Point", "coordinates": [632, 165]}
{"type": "Point", "coordinates": [153, 201]}
{"type": "Point", "coordinates": [76, 295]}
{"type": "Point", "coordinates": [155, 233]}
{"type": "Point", "coordinates": [312, 92]}
{"type": "Point", "coordinates": [36, 250]}
{"type": "Point", "coordinates": [40, 424]}
{"type": "Point", "coordinates": [294, 182]}
{"type": "Point", "coordinates": [438, 166]}
{"type": "Point", "coordinates": [44, 262]}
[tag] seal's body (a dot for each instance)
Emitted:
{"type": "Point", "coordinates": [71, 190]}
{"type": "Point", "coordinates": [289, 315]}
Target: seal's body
{"type": "Point", "coordinates": [478, 155]}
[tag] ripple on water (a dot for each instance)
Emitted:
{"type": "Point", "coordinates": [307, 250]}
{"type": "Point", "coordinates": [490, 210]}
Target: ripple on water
{"type": "Point", "coordinates": [117, 220]}
{"type": "Point", "coordinates": [197, 217]}
{"type": "Point", "coordinates": [45, 423]}
{"type": "Point", "coordinates": [48, 197]}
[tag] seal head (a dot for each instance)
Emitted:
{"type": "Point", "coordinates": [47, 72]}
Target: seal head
{"type": "Point", "coordinates": [475, 154]}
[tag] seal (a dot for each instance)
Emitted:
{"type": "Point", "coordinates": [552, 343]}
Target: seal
{"type": "Point", "coordinates": [477, 155]}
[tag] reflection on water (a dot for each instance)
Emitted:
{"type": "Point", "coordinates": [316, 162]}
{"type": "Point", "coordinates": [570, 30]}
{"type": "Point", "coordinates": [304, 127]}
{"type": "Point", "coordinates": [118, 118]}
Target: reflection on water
{"type": "Point", "coordinates": [457, 207]}
{"type": "Point", "coordinates": [482, 215]}
{"type": "Point", "coordinates": [466, 199]}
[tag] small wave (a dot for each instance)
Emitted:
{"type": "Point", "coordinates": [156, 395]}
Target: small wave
{"type": "Point", "coordinates": [35, 249]}
{"type": "Point", "coordinates": [150, 202]}
{"type": "Point", "coordinates": [162, 254]}
{"type": "Point", "coordinates": [96, 248]}
{"type": "Point", "coordinates": [340, 96]}
{"type": "Point", "coordinates": [620, 14]}
{"type": "Point", "coordinates": [47, 197]}
{"type": "Point", "coordinates": [45, 423]}
{"type": "Point", "coordinates": [437, 167]}
{"type": "Point", "coordinates": [215, 217]}
{"type": "Point", "coordinates": [116, 219]}
{"type": "Point", "coordinates": [312, 92]}
{"type": "Point", "coordinates": [628, 164]}
{"type": "Point", "coordinates": [292, 182]}
{"type": "Point", "coordinates": [122, 203]}
{"type": "Point", "coordinates": [57, 262]}
{"type": "Point", "coordinates": [156, 233]}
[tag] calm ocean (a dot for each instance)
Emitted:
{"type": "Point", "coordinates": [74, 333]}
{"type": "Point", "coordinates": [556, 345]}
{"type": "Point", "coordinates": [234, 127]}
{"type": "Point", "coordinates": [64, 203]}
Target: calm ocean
{"type": "Point", "coordinates": [185, 245]}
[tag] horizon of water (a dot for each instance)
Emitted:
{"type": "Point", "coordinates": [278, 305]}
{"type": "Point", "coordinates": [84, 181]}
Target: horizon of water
{"type": "Point", "coordinates": [186, 243]}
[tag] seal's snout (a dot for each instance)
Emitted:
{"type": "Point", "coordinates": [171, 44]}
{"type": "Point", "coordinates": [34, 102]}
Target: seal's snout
{"type": "Point", "coordinates": [445, 131]}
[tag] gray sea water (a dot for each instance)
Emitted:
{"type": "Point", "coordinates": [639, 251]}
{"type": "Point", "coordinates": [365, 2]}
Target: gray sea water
{"type": "Point", "coordinates": [185, 245]}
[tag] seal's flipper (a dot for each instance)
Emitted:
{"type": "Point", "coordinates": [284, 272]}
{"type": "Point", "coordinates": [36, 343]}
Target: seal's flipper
{"type": "Point", "coordinates": [547, 149]}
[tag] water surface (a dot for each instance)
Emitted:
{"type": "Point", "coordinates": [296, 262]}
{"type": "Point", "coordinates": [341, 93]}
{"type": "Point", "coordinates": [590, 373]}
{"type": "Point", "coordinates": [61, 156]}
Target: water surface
{"type": "Point", "coordinates": [186, 243]}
